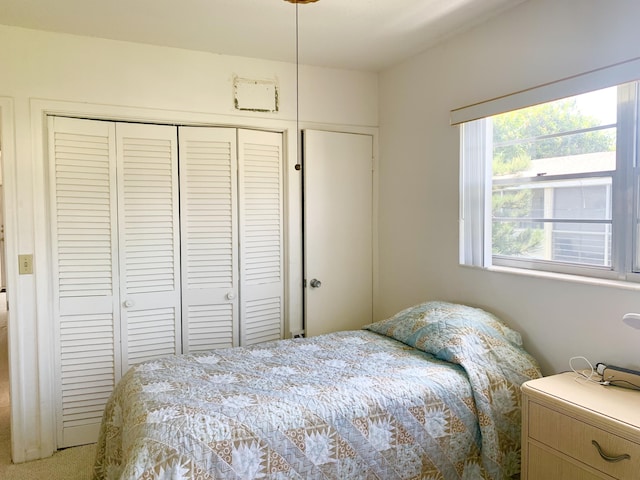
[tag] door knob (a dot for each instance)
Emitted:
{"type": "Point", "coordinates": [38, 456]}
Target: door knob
{"type": "Point", "coordinates": [231, 296]}
{"type": "Point", "coordinates": [128, 303]}
{"type": "Point", "coordinates": [315, 283]}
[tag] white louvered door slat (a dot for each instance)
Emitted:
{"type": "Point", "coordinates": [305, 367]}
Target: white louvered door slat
{"type": "Point", "coordinates": [84, 239]}
{"type": "Point", "coordinates": [208, 211]}
{"type": "Point", "coordinates": [261, 232]}
{"type": "Point", "coordinates": [149, 241]}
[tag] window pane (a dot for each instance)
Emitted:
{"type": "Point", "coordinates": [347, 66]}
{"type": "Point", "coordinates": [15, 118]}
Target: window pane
{"type": "Point", "coordinates": [588, 244]}
{"type": "Point", "coordinates": [580, 243]}
{"type": "Point", "coordinates": [549, 202]}
{"type": "Point", "coordinates": [518, 201]}
{"type": "Point", "coordinates": [522, 159]}
{"type": "Point", "coordinates": [586, 201]}
{"type": "Point", "coordinates": [527, 221]}
{"type": "Point", "coordinates": [572, 135]}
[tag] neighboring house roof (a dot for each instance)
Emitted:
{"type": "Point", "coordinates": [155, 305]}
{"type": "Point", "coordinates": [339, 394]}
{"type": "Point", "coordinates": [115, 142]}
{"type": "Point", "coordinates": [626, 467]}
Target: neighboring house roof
{"type": "Point", "coordinates": [571, 165]}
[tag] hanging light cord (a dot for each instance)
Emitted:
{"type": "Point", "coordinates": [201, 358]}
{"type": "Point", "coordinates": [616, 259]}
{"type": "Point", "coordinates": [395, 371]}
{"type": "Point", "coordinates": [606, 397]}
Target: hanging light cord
{"type": "Point", "coordinates": [298, 166]}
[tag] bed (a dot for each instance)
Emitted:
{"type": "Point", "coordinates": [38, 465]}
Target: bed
{"type": "Point", "coordinates": [432, 392]}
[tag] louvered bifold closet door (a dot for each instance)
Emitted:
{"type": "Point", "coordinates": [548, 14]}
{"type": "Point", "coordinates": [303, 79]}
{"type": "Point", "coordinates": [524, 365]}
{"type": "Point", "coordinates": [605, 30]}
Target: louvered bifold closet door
{"type": "Point", "coordinates": [84, 271]}
{"type": "Point", "coordinates": [208, 210]}
{"type": "Point", "coordinates": [261, 236]}
{"type": "Point", "coordinates": [149, 232]}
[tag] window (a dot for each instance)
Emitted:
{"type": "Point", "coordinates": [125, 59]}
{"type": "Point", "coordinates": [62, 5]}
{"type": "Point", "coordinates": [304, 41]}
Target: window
{"type": "Point", "coordinates": [554, 186]}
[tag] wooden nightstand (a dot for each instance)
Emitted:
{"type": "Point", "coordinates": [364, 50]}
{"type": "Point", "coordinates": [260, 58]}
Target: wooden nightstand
{"type": "Point", "coordinates": [569, 426]}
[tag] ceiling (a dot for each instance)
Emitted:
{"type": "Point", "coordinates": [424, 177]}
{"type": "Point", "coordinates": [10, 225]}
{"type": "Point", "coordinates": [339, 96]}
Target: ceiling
{"type": "Point", "coordinates": [355, 34]}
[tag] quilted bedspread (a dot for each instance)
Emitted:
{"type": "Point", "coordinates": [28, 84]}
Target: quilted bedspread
{"type": "Point", "coordinates": [347, 405]}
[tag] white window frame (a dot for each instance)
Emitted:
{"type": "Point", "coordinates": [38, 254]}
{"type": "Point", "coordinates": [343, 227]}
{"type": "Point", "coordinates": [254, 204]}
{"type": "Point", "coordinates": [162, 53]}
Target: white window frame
{"type": "Point", "coordinates": [476, 177]}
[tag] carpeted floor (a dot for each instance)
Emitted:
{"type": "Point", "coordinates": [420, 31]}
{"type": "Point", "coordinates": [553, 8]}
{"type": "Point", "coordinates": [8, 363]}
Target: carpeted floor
{"type": "Point", "coordinates": [69, 464]}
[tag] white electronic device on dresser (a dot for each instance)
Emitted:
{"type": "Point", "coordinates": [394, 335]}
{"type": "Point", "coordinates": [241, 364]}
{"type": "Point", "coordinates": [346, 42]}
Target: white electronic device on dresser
{"type": "Point", "coordinates": [574, 429]}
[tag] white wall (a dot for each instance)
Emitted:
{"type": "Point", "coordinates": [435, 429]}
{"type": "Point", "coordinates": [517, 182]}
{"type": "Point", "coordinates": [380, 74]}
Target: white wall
{"type": "Point", "coordinates": [46, 72]}
{"type": "Point", "coordinates": [536, 42]}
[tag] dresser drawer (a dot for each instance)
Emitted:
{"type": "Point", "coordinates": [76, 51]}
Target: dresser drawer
{"type": "Point", "coordinates": [575, 438]}
{"type": "Point", "coordinates": [544, 465]}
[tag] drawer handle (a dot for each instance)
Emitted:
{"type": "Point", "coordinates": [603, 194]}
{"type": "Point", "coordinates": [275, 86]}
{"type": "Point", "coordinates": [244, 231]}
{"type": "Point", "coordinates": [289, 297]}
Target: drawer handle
{"type": "Point", "coordinates": [619, 458]}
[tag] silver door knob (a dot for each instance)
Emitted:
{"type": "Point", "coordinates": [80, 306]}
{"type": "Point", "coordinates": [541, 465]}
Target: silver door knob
{"type": "Point", "coordinates": [315, 283]}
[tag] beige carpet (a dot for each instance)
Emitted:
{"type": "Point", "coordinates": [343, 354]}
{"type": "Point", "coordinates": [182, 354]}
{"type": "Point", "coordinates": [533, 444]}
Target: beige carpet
{"type": "Point", "coordinates": [70, 464]}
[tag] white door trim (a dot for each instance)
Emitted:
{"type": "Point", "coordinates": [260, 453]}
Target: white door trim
{"type": "Point", "coordinates": [21, 395]}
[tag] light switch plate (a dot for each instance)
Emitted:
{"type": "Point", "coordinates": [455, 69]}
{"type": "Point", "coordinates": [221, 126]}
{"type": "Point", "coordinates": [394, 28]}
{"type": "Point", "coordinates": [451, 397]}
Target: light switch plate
{"type": "Point", "coordinates": [25, 264]}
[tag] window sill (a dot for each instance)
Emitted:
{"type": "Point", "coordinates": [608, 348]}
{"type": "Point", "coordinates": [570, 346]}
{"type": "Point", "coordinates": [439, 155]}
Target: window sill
{"type": "Point", "coordinates": [564, 277]}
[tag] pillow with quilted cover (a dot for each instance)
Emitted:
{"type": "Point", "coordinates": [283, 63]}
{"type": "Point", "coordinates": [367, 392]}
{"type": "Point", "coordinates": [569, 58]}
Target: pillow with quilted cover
{"type": "Point", "coordinates": [411, 325]}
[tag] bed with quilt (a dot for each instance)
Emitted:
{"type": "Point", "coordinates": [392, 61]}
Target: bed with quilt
{"type": "Point", "coordinates": [430, 393]}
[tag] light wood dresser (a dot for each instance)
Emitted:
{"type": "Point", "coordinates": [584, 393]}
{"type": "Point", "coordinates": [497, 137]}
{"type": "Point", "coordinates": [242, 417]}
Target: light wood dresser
{"type": "Point", "coordinates": [578, 430]}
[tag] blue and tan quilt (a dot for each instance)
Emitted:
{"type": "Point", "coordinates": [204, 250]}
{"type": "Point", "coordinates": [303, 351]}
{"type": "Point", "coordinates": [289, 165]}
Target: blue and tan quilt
{"type": "Point", "coordinates": [431, 393]}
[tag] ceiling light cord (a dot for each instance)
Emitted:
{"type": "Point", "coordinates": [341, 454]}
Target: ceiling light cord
{"type": "Point", "coordinates": [298, 165]}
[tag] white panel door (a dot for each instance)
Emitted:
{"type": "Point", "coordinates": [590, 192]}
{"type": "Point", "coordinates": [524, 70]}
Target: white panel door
{"type": "Point", "coordinates": [149, 239]}
{"type": "Point", "coordinates": [260, 206]}
{"type": "Point", "coordinates": [84, 268]}
{"type": "Point", "coordinates": [208, 211]}
{"type": "Point", "coordinates": [338, 233]}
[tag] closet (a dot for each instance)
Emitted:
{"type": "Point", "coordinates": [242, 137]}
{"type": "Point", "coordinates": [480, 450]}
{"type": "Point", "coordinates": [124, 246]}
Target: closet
{"type": "Point", "coordinates": [164, 240]}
